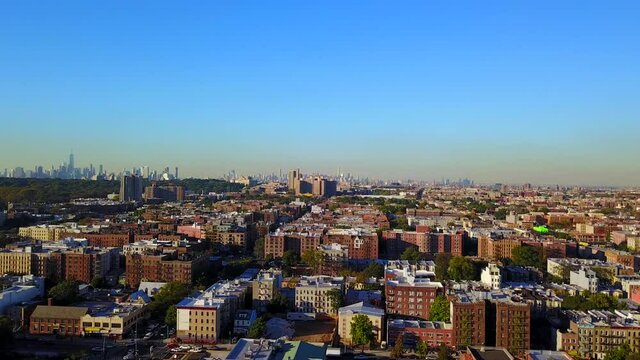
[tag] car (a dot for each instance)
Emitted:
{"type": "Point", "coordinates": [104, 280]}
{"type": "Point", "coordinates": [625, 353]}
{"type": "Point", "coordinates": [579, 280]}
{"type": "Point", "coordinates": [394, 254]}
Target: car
{"type": "Point", "coordinates": [196, 350]}
{"type": "Point", "coordinates": [96, 348]}
{"type": "Point", "coordinates": [172, 346]}
{"type": "Point", "coordinates": [148, 336]}
{"type": "Point", "coordinates": [129, 357]}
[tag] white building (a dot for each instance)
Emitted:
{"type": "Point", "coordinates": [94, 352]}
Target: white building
{"type": "Point", "coordinates": [491, 276]}
{"type": "Point", "coordinates": [585, 279]}
{"type": "Point", "coordinates": [24, 288]}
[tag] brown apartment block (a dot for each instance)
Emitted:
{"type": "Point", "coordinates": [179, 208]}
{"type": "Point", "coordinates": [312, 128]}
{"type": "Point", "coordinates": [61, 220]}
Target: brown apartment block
{"type": "Point", "coordinates": [513, 326]}
{"type": "Point", "coordinates": [495, 249]}
{"type": "Point", "coordinates": [431, 243]}
{"type": "Point", "coordinates": [279, 243]}
{"type": "Point", "coordinates": [57, 320]}
{"type": "Point", "coordinates": [109, 240]}
{"type": "Point", "coordinates": [480, 322]}
{"type": "Point", "coordinates": [361, 245]}
{"type": "Point", "coordinates": [408, 293]}
{"type": "Point", "coordinates": [140, 267]}
{"type": "Point", "coordinates": [469, 321]}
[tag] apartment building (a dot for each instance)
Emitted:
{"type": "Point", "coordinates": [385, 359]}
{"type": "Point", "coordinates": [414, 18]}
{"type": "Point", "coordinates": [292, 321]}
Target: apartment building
{"type": "Point", "coordinates": [265, 286]}
{"type": "Point", "coordinates": [346, 314]}
{"type": "Point", "coordinates": [362, 244]}
{"type": "Point", "coordinates": [433, 333]}
{"type": "Point", "coordinates": [410, 289]}
{"type": "Point", "coordinates": [430, 243]}
{"type": "Point", "coordinates": [164, 267]}
{"type": "Point", "coordinates": [311, 294]}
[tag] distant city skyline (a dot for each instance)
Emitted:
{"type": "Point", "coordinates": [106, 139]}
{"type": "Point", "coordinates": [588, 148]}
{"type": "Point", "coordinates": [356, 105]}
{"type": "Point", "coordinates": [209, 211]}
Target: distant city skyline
{"type": "Point", "coordinates": [511, 92]}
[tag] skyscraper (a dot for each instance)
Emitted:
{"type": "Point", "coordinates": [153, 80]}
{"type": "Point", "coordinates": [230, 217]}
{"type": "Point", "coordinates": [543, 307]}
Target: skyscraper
{"type": "Point", "coordinates": [176, 173]}
{"type": "Point", "coordinates": [71, 162]}
{"type": "Point", "coordinates": [130, 188]}
{"type": "Point", "coordinates": [293, 176]}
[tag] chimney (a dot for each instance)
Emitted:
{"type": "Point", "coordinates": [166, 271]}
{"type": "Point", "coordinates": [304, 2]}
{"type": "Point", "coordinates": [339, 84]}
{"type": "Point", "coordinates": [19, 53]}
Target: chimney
{"type": "Point", "coordinates": [49, 301]}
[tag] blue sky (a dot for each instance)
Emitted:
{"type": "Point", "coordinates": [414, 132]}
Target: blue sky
{"type": "Point", "coordinates": [499, 91]}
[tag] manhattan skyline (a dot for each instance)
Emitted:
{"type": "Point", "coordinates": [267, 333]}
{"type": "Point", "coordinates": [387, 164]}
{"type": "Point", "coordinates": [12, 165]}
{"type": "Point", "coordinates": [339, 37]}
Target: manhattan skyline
{"type": "Point", "coordinates": [543, 92]}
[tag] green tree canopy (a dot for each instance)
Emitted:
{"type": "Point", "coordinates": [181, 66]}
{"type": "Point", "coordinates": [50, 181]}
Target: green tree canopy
{"type": "Point", "coordinates": [592, 301]}
{"type": "Point", "coordinates": [64, 293]}
{"type": "Point", "coordinates": [442, 266]}
{"type": "Point", "coordinates": [168, 295]}
{"type": "Point", "coordinates": [314, 259]}
{"type": "Point", "coordinates": [443, 352]}
{"type": "Point", "coordinates": [422, 349]}
{"type": "Point", "coordinates": [528, 256]}
{"type": "Point", "coordinates": [398, 348]}
{"type": "Point", "coordinates": [361, 330]}
{"type": "Point", "coordinates": [171, 316]}
{"type": "Point", "coordinates": [97, 282]}
{"type": "Point", "coordinates": [461, 268]}
{"type": "Point", "coordinates": [440, 309]}
{"type": "Point", "coordinates": [411, 253]}
{"type": "Point", "coordinates": [336, 297]}
{"type": "Point", "coordinates": [618, 353]}
{"type": "Point", "coordinates": [257, 329]}
{"type": "Point", "coordinates": [290, 258]}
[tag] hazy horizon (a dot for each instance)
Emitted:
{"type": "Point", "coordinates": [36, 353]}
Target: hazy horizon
{"type": "Point", "coordinates": [543, 92]}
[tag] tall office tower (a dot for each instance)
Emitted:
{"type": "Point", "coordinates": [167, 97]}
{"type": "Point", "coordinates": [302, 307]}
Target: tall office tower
{"type": "Point", "coordinates": [293, 176]}
{"type": "Point", "coordinates": [145, 172]}
{"type": "Point", "coordinates": [71, 163]}
{"type": "Point", "coordinates": [176, 173]}
{"type": "Point", "coordinates": [101, 168]}
{"type": "Point", "coordinates": [130, 188]}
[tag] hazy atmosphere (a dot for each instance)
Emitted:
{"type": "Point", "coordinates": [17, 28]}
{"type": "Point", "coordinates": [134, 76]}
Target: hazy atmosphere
{"type": "Point", "coordinates": [539, 92]}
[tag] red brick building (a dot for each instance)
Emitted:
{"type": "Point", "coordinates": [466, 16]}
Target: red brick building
{"type": "Point", "coordinates": [409, 291]}
{"type": "Point", "coordinates": [57, 320]}
{"type": "Point", "coordinates": [430, 243]}
{"type": "Point", "coordinates": [433, 333]}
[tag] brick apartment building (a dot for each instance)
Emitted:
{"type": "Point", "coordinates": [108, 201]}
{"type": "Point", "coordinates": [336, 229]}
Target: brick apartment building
{"type": "Point", "coordinates": [183, 268]}
{"type": "Point", "coordinates": [487, 319]}
{"type": "Point", "coordinates": [361, 244]}
{"type": "Point", "coordinates": [430, 243]}
{"type": "Point", "coordinates": [276, 244]}
{"type": "Point", "coordinates": [495, 249]}
{"type": "Point", "coordinates": [409, 290]}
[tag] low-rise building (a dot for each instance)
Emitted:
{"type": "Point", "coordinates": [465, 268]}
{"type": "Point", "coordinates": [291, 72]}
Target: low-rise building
{"type": "Point", "coordinates": [346, 314]}
{"type": "Point", "coordinates": [57, 320]}
{"type": "Point", "coordinates": [433, 333]}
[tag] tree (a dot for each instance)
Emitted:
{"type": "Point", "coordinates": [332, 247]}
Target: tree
{"type": "Point", "coordinates": [279, 303]}
{"type": "Point", "coordinates": [411, 253]}
{"type": "Point", "coordinates": [361, 330]}
{"type": "Point", "coordinates": [65, 293]}
{"type": "Point", "coordinates": [258, 248]}
{"type": "Point", "coordinates": [97, 282]}
{"type": "Point", "coordinates": [618, 353]}
{"type": "Point", "coordinates": [171, 316]}
{"type": "Point", "coordinates": [442, 266]}
{"type": "Point", "coordinates": [528, 256]}
{"type": "Point", "coordinates": [443, 352]}
{"type": "Point", "coordinates": [314, 259]}
{"type": "Point", "coordinates": [257, 329]}
{"type": "Point", "coordinates": [422, 349]}
{"type": "Point", "coordinates": [398, 348]}
{"type": "Point", "coordinates": [461, 268]}
{"type": "Point", "coordinates": [500, 214]}
{"type": "Point", "coordinates": [290, 258]}
{"type": "Point", "coordinates": [374, 269]}
{"type": "Point", "coordinates": [336, 297]}
{"type": "Point", "coordinates": [168, 295]}
{"type": "Point", "coordinates": [439, 309]}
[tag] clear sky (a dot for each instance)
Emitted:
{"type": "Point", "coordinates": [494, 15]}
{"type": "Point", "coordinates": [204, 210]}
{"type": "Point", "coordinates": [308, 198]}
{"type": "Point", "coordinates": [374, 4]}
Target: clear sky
{"type": "Point", "coordinates": [498, 91]}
